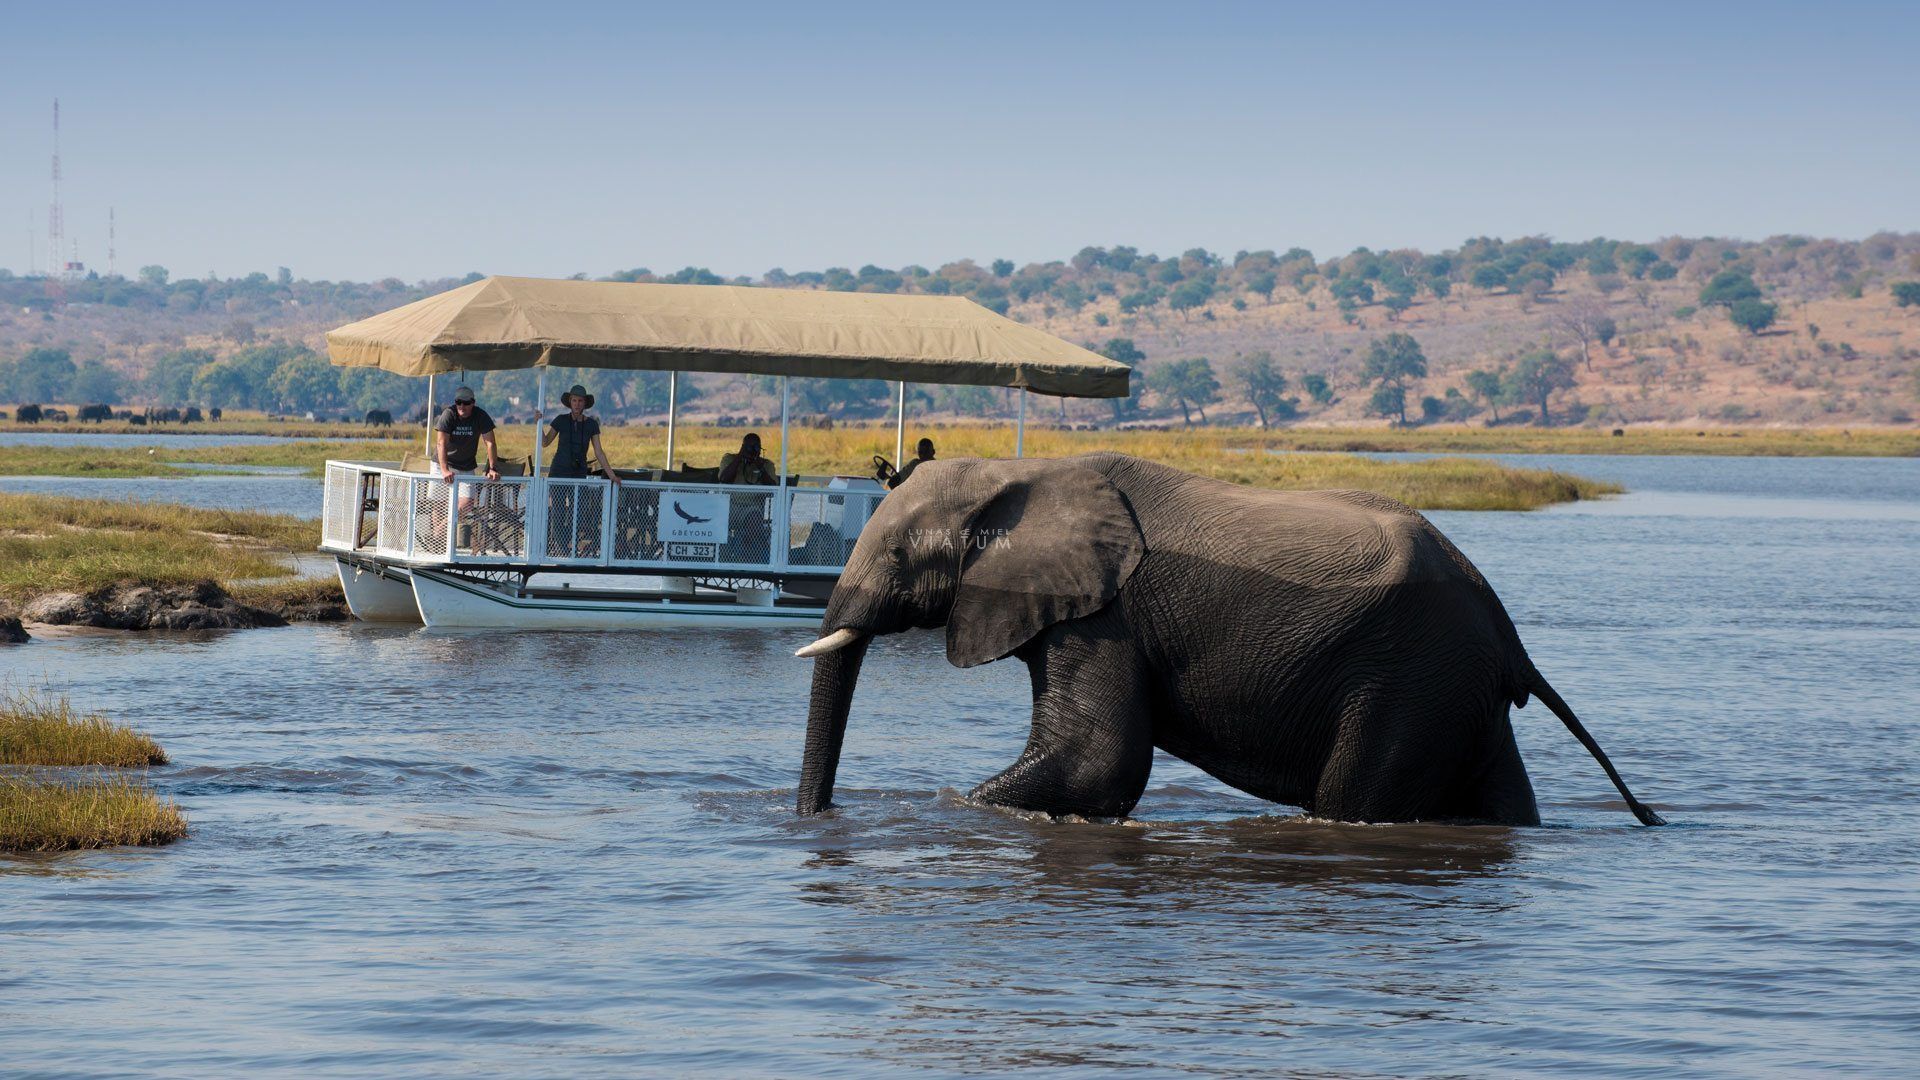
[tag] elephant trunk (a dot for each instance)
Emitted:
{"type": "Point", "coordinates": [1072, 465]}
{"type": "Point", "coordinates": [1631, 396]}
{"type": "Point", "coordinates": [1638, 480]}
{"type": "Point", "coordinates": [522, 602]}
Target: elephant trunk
{"type": "Point", "coordinates": [835, 675]}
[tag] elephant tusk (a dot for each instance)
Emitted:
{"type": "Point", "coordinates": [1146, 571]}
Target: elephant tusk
{"type": "Point", "coordinates": [839, 639]}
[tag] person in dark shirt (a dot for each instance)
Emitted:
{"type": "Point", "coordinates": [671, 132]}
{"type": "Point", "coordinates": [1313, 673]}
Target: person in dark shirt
{"type": "Point", "coordinates": [747, 466]}
{"type": "Point", "coordinates": [922, 452]}
{"type": "Point", "coordinates": [460, 431]}
{"type": "Point", "coordinates": [576, 432]}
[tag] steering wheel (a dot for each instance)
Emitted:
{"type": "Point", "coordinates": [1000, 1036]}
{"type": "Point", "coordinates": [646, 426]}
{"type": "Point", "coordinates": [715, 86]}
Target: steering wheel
{"type": "Point", "coordinates": [882, 468]}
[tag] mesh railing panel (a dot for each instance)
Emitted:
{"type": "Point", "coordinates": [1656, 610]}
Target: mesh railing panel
{"type": "Point", "coordinates": [823, 525]}
{"type": "Point", "coordinates": [392, 533]}
{"type": "Point", "coordinates": [430, 499]}
{"type": "Point", "coordinates": [636, 525]}
{"type": "Point", "coordinates": [574, 517]}
{"type": "Point", "coordinates": [493, 520]}
{"type": "Point", "coordinates": [342, 514]}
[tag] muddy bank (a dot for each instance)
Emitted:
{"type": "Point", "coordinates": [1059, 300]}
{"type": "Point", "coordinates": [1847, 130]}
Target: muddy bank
{"type": "Point", "coordinates": [204, 605]}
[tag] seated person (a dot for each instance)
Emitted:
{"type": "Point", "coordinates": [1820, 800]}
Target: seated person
{"type": "Point", "coordinates": [895, 477]}
{"type": "Point", "coordinates": [577, 433]}
{"type": "Point", "coordinates": [747, 466]}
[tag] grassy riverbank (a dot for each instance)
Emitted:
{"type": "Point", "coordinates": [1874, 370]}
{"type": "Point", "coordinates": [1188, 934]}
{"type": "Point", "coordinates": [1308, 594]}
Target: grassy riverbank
{"type": "Point", "coordinates": [51, 543]}
{"type": "Point", "coordinates": [65, 812]}
{"type": "Point", "coordinates": [1236, 455]}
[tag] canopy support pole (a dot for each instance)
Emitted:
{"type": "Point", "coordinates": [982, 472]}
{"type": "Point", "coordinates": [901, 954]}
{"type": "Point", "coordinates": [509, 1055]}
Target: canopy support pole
{"type": "Point", "coordinates": [673, 406]}
{"type": "Point", "coordinates": [1020, 426]}
{"type": "Point", "coordinates": [537, 504]}
{"type": "Point", "coordinates": [785, 399]}
{"type": "Point", "coordinates": [900, 428]}
{"type": "Point", "coordinates": [539, 408]}
{"type": "Point", "coordinates": [428, 436]}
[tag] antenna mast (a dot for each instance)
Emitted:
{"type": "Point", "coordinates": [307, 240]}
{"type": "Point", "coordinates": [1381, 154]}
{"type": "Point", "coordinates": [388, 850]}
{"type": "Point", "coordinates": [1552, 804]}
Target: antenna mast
{"type": "Point", "coordinates": [110, 242]}
{"type": "Point", "coordinates": [55, 249]}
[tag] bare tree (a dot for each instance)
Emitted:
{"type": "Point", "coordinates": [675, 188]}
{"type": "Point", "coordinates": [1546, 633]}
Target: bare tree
{"type": "Point", "coordinates": [1585, 320]}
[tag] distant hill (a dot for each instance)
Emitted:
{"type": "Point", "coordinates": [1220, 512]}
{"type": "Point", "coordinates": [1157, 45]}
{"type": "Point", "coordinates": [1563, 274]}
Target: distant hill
{"type": "Point", "coordinates": [1789, 330]}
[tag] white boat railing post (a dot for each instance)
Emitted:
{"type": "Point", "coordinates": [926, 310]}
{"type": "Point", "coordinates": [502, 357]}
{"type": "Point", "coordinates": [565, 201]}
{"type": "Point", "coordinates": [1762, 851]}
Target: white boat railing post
{"type": "Point", "coordinates": [453, 518]}
{"type": "Point", "coordinates": [673, 408]}
{"type": "Point", "coordinates": [1020, 426]}
{"type": "Point", "coordinates": [609, 509]}
{"type": "Point", "coordinates": [783, 507]}
{"type": "Point", "coordinates": [900, 428]}
{"type": "Point", "coordinates": [536, 513]}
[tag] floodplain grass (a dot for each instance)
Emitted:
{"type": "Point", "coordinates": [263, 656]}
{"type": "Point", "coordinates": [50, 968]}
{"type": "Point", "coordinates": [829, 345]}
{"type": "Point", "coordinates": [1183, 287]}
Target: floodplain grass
{"type": "Point", "coordinates": [40, 814]}
{"type": "Point", "coordinates": [52, 543]}
{"type": "Point", "coordinates": [38, 728]}
{"type": "Point", "coordinates": [283, 594]}
{"type": "Point", "coordinates": [1230, 454]}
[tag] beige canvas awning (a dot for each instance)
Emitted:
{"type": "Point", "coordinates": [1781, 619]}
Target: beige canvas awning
{"type": "Point", "coordinates": [508, 322]}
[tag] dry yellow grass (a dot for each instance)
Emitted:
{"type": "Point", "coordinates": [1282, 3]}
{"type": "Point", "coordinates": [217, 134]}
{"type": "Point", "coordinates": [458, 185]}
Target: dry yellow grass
{"type": "Point", "coordinates": [83, 812]}
{"type": "Point", "coordinates": [43, 729]}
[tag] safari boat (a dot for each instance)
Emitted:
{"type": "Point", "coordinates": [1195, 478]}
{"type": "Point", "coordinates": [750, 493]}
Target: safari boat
{"type": "Point", "coordinates": [660, 548]}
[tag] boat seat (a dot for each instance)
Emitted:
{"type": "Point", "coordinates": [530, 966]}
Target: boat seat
{"type": "Point", "coordinates": [689, 474]}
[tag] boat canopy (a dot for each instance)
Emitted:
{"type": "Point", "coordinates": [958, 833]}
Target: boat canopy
{"type": "Point", "coordinates": [501, 323]}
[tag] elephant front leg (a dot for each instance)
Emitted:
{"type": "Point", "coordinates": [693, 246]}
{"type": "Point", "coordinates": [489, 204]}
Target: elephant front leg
{"type": "Point", "coordinates": [1091, 746]}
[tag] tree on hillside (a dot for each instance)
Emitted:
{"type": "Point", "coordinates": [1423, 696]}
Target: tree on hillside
{"type": "Point", "coordinates": [1189, 294]}
{"type": "Point", "coordinates": [1906, 293]}
{"type": "Point", "coordinates": [1122, 350]}
{"type": "Point", "coordinates": [1317, 387]}
{"type": "Point", "coordinates": [1002, 267]}
{"type": "Point", "coordinates": [41, 375]}
{"type": "Point", "coordinates": [170, 380]}
{"type": "Point", "coordinates": [1262, 383]}
{"type": "Point", "coordinates": [1488, 276]}
{"type": "Point", "coordinates": [1753, 316]}
{"type": "Point", "coordinates": [1395, 359]}
{"type": "Point", "coordinates": [1585, 320]}
{"type": "Point", "coordinates": [1392, 361]}
{"type": "Point", "coordinates": [304, 382]}
{"type": "Point", "coordinates": [1489, 387]}
{"type": "Point", "coordinates": [155, 276]}
{"type": "Point", "coordinates": [1729, 287]}
{"type": "Point", "coordinates": [1537, 376]}
{"type": "Point", "coordinates": [96, 383]}
{"type": "Point", "coordinates": [1187, 383]}
{"type": "Point", "coordinates": [1389, 401]}
{"type": "Point", "coordinates": [1262, 283]}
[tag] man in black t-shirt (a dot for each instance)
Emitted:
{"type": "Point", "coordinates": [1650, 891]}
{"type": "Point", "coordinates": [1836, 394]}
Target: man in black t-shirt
{"type": "Point", "coordinates": [460, 431]}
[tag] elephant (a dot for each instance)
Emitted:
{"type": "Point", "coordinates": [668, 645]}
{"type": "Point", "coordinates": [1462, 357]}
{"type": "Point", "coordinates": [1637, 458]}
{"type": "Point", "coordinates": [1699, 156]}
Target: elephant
{"type": "Point", "coordinates": [1325, 649]}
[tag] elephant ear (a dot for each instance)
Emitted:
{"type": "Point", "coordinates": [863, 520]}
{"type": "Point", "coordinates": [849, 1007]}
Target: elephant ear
{"type": "Point", "coordinates": [1049, 542]}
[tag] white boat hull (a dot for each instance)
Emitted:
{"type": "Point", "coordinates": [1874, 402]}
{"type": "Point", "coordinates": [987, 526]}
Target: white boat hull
{"type": "Point", "coordinates": [378, 596]}
{"type": "Point", "coordinates": [446, 600]}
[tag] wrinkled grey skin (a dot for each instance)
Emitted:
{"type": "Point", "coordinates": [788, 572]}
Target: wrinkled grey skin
{"type": "Point", "coordinates": [1330, 650]}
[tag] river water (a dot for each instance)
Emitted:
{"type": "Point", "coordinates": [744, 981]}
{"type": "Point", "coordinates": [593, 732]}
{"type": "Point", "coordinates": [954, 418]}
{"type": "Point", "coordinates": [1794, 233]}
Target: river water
{"type": "Point", "coordinates": [556, 854]}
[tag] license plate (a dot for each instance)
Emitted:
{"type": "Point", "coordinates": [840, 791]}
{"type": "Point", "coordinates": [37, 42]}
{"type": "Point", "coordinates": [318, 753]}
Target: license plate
{"type": "Point", "coordinates": [678, 550]}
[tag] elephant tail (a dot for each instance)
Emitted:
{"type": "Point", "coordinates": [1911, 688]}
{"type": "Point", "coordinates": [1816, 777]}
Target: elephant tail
{"type": "Point", "coordinates": [1537, 685]}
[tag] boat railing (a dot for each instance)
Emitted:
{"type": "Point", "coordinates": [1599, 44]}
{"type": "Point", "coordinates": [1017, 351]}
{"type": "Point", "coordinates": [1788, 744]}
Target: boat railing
{"type": "Point", "coordinates": [674, 527]}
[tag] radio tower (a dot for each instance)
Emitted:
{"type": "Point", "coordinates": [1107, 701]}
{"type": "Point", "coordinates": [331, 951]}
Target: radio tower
{"type": "Point", "coordinates": [55, 271]}
{"type": "Point", "coordinates": [110, 243]}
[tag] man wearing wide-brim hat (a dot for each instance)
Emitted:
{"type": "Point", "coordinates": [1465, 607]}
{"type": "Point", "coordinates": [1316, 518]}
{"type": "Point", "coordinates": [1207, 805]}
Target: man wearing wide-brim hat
{"type": "Point", "coordinates": [576, 432]}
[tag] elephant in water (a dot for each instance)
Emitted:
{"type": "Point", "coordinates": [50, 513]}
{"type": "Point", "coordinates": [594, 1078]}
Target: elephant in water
{"type": "Point", "coordinates": [1327, 649]}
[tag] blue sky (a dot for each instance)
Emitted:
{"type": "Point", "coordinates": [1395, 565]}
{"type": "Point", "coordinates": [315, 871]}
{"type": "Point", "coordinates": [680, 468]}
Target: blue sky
{"type": "Point", "coordinates": [415, 141]}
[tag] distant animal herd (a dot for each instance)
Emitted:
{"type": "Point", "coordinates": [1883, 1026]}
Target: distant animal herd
{"type": "Point", "coordinates": [100, 414]}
